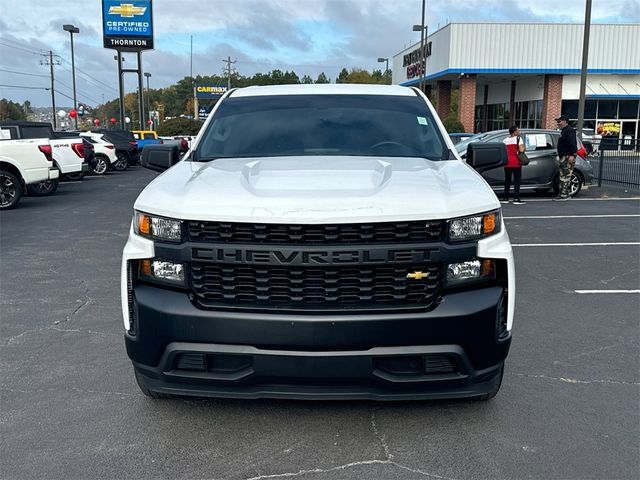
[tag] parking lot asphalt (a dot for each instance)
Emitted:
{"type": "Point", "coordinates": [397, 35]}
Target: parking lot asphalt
{"type": "Point", "coordinates": [568, 407]}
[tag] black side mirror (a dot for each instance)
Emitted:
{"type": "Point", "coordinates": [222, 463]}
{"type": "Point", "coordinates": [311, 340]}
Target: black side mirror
{"type": "Point", "coordinates": [160, 157]}
{"type": "Point", "coordinates": [486, 156]}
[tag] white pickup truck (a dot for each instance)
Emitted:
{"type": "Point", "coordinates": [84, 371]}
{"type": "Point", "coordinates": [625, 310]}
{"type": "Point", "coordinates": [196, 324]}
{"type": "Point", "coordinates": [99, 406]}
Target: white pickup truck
{"type": "Point", "coordinates": [68, 152]}
{"type": "Point", "coordinates": [23, 163]}
{"type": "Point", "coordinates": [319, 242]}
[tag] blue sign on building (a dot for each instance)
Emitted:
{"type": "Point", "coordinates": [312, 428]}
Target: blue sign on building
{"type": "Point", "coordinates": [127, 24]}
{"type": "Point", "coordinates": [210, 90]}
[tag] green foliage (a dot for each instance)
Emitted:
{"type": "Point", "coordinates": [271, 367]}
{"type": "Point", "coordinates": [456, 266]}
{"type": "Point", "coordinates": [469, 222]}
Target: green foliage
{"type": "Point", "coordinates": [179, 126]}
{"type": "Point", "coordinates": [11, 111]}
{"type": "Point", "coordinates": [359, 75]}
{"type": "Point", "coordinates": [322, 78]}
{"type": "Point", "coordinates": [453, 124]}
{"type": "Point", "coordinates": [306, 80]}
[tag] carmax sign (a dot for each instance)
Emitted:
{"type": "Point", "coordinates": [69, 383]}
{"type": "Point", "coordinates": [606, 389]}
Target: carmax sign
{"type": "Point", "coordinates": [208, 90]}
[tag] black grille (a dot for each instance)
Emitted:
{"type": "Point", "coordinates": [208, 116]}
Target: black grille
{"type": "Point", "coordinates": [313, 288]}
{"type": "Point", "coordinates": [367, 233]}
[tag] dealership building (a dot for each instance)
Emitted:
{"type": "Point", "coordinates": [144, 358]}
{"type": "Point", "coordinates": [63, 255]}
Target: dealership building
{"type": "Point", "coordinates": [527, 74]}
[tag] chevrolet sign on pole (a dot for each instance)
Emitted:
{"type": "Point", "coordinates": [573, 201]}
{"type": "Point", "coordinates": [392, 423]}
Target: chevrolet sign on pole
{"type": "Point", "coordinates": [127, 25]}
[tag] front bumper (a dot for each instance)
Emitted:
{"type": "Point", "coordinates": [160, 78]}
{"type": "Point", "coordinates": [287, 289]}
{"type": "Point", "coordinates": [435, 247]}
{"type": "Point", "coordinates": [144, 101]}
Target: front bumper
{"type": "Point", "coordinates": [453, 350]}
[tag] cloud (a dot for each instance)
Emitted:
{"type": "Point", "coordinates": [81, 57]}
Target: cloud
{"type": "Point", "coordinates": [308, 36]}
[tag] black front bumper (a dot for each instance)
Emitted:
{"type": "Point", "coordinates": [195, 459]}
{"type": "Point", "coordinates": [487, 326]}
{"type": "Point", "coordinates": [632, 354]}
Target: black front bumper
{"type": "Point", "coordinates": [454, 350]}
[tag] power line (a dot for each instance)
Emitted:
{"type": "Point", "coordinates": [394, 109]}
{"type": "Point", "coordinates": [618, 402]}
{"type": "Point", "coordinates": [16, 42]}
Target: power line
{"type": "Point", "coordinates": [24, 73]}
{"type": "Point", "coordinates": [20, 48]}
{"type": "Point", "coordinates": [91, 77]}
{"type": "Point", "coordinates": [23, 87]}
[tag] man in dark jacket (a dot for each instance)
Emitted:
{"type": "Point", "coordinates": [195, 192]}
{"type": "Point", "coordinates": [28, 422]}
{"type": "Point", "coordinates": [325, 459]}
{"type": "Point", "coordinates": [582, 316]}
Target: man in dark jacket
{"type": "Point", "coordinates": [567, 149]}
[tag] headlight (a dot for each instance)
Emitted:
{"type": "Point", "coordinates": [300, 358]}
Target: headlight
{"type": "Point", "coordinates": [471, 271]}
{"type": "Point", "coordinates": [157, 228]}
{"type": "Point", "coordinates": [161, 271]}
{"type": "Point", "coordinates": [472, 228]}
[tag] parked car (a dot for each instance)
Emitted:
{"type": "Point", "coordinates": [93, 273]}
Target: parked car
{"type": "Point", "coordinates": [68, 151]}
{"type": "Point", "coordinates": [342, 250]}
{"type": "Point", "coordinates": [146, 137]}
{"type": "Point", "coordinates": [105, 152]}
{"type": "Point", "coordinates": [127, 151]}
{"type": "Point", "coordinates": [23, 163]}
{"type": "Point", "coordinates": [459, 137]}
{"type": "Point", "coordinates": [542, 172]}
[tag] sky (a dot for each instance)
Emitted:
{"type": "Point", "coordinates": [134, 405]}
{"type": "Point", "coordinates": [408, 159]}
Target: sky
{"type": "Point", "coordinates": [307, 36]}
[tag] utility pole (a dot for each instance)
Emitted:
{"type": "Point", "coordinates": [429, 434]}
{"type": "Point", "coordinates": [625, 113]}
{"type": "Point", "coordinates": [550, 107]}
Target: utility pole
{"type": "Point", "coordinates": [71, 29]}
{"type": "Point", "coordinates": [423, 57]}
{"type": "Point", "coordinates": [583, 72]}
{"type": "Point", "coordinates": [193, 85]}
{"type": "Point", "coordinates": [229, 63]}
{"type": "Point", "coordinates": [48, 59]}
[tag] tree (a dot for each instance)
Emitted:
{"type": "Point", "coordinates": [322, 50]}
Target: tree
{"type": "Point", "coordinates": [11, 111]}
{"type": "Point", "coordinates": [306, 79]}
{"type": "Point", "coordinates": [322, 78]}
{"type": "Point", "coordinates": [26, 107]}
{"type": "Point", "coordinates": [179, 126]}
{"type": "Point", "coordinates": [453, 124]}
{"type": "Point", "coordinates": [342, 76]}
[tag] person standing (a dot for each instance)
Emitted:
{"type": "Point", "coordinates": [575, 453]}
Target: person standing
{"type": "Point", "coordinates": [567, 149]}
{"type": "Point", "coordinates": [513, 169]}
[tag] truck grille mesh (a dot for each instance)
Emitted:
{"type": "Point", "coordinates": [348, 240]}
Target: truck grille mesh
{"type": "Point", "coordinates": [338, 234]}
{"type": "Point", "coordinates": [312, 288]}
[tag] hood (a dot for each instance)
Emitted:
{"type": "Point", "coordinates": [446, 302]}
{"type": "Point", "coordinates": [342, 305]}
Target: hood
{"type": "Point", "coordinates": [317, 189]}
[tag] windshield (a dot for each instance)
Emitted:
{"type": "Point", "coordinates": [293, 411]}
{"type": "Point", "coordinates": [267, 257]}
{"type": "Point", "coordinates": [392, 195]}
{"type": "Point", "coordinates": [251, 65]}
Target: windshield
{"type": "Point", "coordinates": [462, 146]}
{"type": "Point", "coordinates": [292, 125]}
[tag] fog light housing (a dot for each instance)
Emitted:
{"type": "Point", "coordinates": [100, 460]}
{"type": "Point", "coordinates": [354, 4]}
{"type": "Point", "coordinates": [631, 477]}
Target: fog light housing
{"type": "Point", "coordinates": [470, 271]}
{"type": "Point", "coordinates": [162, 271]}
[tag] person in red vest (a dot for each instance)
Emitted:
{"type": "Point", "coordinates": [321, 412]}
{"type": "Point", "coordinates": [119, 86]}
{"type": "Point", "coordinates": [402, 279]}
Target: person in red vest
{"type": "Point", "coordinates": [513, 168]}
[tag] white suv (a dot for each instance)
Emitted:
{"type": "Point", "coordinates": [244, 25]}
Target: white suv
{"type": "Point", "coordinates": [105, 153]}
{"type": "Point", "coordinates": [319, 242]}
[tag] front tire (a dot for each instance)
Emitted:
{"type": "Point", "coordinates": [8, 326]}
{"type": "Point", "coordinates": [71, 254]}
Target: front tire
{"type": "Point", "coordinates": [149, 393]}
{"type": "Point", "coordinates": [494, 391]}
{"type": "Point", "coordinates": [575, 184]}
{"type": "Point", "coordinates": [121, 163]}
{"type": "Point", "coordinates": [44, 188]}
{"type": "Point", "coordinates": [10, 190]}
{"type": "Point", "coordinates": [101, 166]}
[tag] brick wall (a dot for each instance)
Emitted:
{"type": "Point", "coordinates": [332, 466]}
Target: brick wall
{"type": "Point", "coordinates": [552, 100]}
{"type": "Point", "coordinates": [444, 98]}
{"type": "Point", "coordinates": [467, 102]}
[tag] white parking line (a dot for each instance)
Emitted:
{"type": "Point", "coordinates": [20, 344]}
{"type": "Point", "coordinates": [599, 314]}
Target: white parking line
{"type": "Point", "coordinates": [598, 244]}
{"type": "Point", "coordinates": [573, 216]}
{"type": "Point", "coordinates": [584, 199]}
{"type": "Point", "coordinates": [606, 291]}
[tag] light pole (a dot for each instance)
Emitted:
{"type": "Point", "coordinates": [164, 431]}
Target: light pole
{"type": "Point", "coordinates": [421, 29]}
{"type": "Point", "coordinates": [386, 72]}
{"type": "Point", "coordinates": [71, 29]}
{"type": "Point", "coordinates": [148, 75]}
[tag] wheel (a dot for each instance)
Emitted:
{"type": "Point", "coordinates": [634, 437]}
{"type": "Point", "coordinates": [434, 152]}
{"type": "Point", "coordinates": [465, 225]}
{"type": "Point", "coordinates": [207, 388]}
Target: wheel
{"type": "Point", "coordinates": [74, 177]}
{"type": "Point", "coordinates": [575, 184]}
{"type": "Point", "coordinates": [146, 391]}
{"type": "Point", "coordinates": [494, 391]}
{"type": "Point", "coordinates": [101, 166]}
{"type": "Point", "coordinates": [44, 188]}
{"type": "Point", "coordinates": [10, 190]}
{"type": "Point", "coordinates": [121, 163]}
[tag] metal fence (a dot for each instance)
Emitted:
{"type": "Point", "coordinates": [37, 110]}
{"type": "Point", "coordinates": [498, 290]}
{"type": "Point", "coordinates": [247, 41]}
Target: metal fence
{"type": "Point", "coordinates": [615, 162]}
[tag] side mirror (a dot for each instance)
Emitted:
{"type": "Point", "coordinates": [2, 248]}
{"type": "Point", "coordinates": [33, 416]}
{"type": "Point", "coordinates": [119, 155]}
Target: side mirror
{"type": "Point", "coordinates": [160, 157]}
{"type": "Point", "coordinates": [486, 156]}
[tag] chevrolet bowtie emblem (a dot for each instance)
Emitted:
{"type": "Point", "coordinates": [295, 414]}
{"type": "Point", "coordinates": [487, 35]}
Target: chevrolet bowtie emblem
{"type": "Point", "coordinates": [417, 275]}
{"type": "Point", "coordinates": [127, 10]}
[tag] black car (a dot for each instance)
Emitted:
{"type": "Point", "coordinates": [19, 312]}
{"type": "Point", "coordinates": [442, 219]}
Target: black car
{"type": "Point", "coordinates": [541, 174]}
{"type": "Point", "coordinates": [124, 142]}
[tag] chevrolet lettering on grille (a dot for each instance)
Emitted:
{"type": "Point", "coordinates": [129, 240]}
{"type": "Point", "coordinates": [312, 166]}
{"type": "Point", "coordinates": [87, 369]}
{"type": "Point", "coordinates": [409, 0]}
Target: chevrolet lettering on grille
{"type": "Point", "coordinates": [311, 257]}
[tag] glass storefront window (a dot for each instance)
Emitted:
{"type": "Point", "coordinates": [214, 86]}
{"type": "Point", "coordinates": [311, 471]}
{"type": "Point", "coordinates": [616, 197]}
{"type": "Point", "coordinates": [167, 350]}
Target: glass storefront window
{"type": "Point", "coordinates": [570, 108]}
{"type": "Point", "coordinates": [608, 109]}
{"type": "Point", "coordinates": [590, 107]}
{"type": "Point", "coordinates": [628, 109]}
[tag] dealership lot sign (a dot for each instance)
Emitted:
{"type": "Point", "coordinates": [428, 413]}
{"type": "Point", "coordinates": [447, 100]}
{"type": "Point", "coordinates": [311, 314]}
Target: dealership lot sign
{"type": "Point", "coordinates": [127, 25]}
{"type": "Point", "coordinates": [208, 90]}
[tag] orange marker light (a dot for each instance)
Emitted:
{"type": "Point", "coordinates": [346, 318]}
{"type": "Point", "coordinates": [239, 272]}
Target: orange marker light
{"type": "Point", "coordinates": [145, 268]}
{"type": "Point", "coordinates": [144, 225]}
{"type": "Point", "coordinates": [487, 268]}
{"type": "Point", "coordinates": [489, 223]}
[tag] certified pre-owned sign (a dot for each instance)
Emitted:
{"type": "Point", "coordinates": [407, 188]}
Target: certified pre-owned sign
{"type": "Point", "coordinates": [127, 24]}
